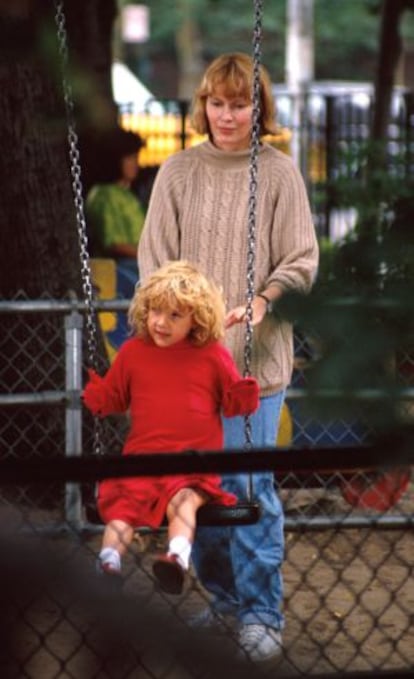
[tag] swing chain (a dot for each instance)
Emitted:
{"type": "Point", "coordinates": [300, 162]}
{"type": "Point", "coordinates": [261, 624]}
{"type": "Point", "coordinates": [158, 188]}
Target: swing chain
{"type": "Point", "coordinates": [252, 204]}
{"type": "Point", "coordinates": [75, 170]}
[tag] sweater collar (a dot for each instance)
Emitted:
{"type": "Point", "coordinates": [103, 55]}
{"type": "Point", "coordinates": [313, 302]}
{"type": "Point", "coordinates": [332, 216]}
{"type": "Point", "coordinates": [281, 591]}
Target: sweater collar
{"type": "Point", "coordinates": [178, 346]}
{"type": "Point", "coordinates": [225, 159]}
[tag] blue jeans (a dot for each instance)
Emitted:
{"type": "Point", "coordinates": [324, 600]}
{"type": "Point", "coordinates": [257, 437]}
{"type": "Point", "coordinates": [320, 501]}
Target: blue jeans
{"type": "Point", "coordinates": [241, 565]}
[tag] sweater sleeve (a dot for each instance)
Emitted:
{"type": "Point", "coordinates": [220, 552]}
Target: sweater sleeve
{"type": "Point", "coordinates": [293, 237]}
{"type": "Point", "coordinates": [240, 395]}
{"type": "Point", "coordinates": [160, 238]}
{"type": "Point", "coordinates": [109, 394]}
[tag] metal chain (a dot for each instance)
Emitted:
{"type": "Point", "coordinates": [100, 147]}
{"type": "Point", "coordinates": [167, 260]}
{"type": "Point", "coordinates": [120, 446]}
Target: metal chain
{"type": "Point", "coordinates": [75, 170]}
{"type": "Point", "coordinates": [251, 250]}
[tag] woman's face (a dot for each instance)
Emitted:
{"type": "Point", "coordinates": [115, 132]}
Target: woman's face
{"type": "Point", "coordinates": [230, 120]}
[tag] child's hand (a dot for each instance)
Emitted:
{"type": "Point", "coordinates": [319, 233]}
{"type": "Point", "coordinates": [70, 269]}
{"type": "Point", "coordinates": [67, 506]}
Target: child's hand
{"type": "Point", "coordinates": [242, 398]}
{"type": "Point", "coordinates": [93, 394]}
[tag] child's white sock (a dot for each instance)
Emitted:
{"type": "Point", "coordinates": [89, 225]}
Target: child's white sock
{"type": "Point", "coordinates": [109, 556]}
{"type": "Point", "coordinates": [181, 547]}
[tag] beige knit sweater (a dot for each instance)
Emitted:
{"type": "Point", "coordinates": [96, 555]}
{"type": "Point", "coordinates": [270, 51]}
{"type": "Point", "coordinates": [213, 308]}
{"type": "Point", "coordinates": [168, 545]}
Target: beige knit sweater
{"type": "Point", "coordinates": [199, 211]}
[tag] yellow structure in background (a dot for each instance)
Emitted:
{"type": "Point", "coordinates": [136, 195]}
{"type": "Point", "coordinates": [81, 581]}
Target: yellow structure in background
{"type": "Point", "coordinates": [285, 433]}
{"type": "Point", "coordinates": [103, 272]}
{"type": "Point", "coordinates": [163, 135]}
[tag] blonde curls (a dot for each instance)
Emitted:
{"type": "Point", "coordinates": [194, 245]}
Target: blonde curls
{"type": "Point", "coordinates": [180, 286]}
{"type": "Point", "coordinates": [234, 73]}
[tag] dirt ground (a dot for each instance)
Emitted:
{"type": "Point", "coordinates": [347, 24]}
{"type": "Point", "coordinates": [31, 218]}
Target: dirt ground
{"type": "Point", "coordinates": [349, 603]}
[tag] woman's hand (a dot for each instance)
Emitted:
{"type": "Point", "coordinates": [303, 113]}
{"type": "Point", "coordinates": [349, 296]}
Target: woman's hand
{"type": "Point", "coordinates": [238, 314]}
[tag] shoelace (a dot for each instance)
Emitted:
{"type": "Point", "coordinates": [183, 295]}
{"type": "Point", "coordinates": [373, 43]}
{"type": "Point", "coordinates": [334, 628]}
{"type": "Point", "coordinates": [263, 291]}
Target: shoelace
{"type": "Point", "coordinates": [252, 634]}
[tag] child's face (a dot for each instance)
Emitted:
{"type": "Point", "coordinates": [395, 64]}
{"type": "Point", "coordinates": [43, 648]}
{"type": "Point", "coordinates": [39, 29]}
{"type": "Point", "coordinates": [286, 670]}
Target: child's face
{"type": "Point", "coordinates": [168, 326]}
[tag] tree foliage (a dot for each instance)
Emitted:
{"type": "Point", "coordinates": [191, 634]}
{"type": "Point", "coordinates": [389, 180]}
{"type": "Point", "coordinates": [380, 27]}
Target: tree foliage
{"type": "Point", "coordinates": [346, 35]}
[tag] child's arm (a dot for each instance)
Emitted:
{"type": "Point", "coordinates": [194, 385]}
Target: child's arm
{"type": "Point", "coordinates": [240, 395]}
{"type": "Point", "coordinates": [105, 395]}
{"type": "Point", "coordinates": [241, 398]}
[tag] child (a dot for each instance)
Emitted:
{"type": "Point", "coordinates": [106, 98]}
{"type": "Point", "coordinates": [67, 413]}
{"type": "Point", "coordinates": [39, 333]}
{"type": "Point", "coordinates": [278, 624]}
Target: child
{"type": "Point", "coordinates": [176, 379]}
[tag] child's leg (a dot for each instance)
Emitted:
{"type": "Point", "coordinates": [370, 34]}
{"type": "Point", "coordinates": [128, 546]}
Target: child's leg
{"type": "Point", "coordinates": [117, 537]}
{"type": "Point", "coordinates": [181, 515]}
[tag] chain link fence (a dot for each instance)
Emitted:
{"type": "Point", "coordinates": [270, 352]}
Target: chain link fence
{"type": "Point", "coordinates": [349, 592]}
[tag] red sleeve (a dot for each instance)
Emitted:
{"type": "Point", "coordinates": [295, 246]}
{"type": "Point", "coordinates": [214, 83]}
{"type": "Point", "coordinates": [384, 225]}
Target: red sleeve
{"type": "Point", "coordinates": [240, 395]}
{"type": "Point", "coordinates": [109, 394]}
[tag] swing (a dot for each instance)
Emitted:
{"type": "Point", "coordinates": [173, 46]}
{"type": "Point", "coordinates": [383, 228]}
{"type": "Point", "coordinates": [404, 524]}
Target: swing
{"type": "Point", "coordinates": [243, 513]}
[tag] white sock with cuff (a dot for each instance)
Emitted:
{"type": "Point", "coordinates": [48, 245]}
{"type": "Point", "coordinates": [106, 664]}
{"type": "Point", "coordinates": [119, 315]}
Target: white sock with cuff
{"type": "Point", "coordinates": [181, 547]}
{"type": "Point", "coordinates": [111, 557]}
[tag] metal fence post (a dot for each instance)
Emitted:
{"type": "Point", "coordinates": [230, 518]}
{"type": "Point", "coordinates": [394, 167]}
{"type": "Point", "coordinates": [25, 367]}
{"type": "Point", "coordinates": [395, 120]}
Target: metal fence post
{"type": "Point", "coordinates": [331, 151]}
{"type": "Point", "coordinates": [73, 436]}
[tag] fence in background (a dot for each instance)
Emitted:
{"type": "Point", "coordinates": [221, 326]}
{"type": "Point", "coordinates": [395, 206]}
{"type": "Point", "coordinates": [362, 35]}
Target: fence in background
{"type": "Point", "coordinates": [349, 592]}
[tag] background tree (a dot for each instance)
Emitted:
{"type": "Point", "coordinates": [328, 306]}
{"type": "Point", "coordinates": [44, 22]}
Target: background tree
{"type": "Point", "coordinates": [346, 38]}
{"type": "Point", "coordinates": [39, 253]}
{"type": "Point", "coordinates": [390, 50]}
{"type": "Point", "coordinates": [36, 210]}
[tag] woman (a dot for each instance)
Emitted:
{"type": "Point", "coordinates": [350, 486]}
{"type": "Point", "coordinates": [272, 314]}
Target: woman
{"type": "Point", "coordinates": [114, 214]}
{"type": "Point", "coordinates": [198, 210]}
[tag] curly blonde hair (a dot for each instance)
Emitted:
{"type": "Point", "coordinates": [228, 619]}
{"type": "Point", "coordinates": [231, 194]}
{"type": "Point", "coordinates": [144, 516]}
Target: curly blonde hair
{"type": "Point", "coordinates": [234, 72]}
{"type": "Point", "coordinates": [180, 286]}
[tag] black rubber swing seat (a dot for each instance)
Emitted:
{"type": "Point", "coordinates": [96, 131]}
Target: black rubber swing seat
{"type": "Point", "coordinates": [241, 514]}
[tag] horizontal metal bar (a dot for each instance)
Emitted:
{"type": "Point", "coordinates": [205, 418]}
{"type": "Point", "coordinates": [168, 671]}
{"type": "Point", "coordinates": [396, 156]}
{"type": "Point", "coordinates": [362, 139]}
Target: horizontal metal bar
{"type": "Point", "coordinates": [387, 453]}
{"type": "Point", "coordinates": [62, 306]}
{"type": "Point", "coordinates": [50, 397]}
{"type": "Point", "coordinates": [53, 305]}
{"type": "Point", "coordinates": [291, 525]}
{"type": "Point", "coordinates": [401, 394]}
{"type": "Point", "coordinates": [36, 398]}
{"type": "Point", "coordinates": [316, 523]}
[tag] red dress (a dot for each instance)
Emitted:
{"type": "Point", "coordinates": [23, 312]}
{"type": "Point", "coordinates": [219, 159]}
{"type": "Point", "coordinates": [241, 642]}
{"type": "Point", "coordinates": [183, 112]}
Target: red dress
{"type": "Point", "coordinates": [175, 396]}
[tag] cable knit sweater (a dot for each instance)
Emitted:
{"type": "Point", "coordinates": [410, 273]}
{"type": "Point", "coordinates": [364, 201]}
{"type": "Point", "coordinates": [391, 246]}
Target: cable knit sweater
{"type": "Point", "coordinates": [199, 211]}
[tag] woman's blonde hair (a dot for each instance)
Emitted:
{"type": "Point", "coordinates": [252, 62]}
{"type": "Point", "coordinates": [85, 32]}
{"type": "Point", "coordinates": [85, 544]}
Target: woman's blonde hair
{"type": "Point", "coordinates": [234, 73]}
{"type": "Point", "coordinates": [180, 286]}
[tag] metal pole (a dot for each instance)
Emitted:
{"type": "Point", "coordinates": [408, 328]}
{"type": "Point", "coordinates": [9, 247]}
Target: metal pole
{"type": "Point", "coordinates": [299, 72]}
{"type": "Point", "coordinates": [73, 438]}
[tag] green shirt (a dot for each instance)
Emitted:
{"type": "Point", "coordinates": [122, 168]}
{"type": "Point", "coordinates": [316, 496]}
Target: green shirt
{"type": "Point", "coordinates": [114, 215]}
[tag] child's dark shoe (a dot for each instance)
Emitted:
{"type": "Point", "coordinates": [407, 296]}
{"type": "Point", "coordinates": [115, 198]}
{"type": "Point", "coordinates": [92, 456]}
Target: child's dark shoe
{"type": "Point", "coordinates": [110, 578]}
{"type": "Point", "coordinates": [169, 573]}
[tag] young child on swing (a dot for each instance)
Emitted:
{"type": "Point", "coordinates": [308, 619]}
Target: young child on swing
{"type": "Point", "coordinates": [176, 379]}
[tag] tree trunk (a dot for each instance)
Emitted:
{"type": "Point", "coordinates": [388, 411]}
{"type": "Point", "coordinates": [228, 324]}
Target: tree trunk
{"type": "Point", "coordinates": [39, 253]}
{"type": "Point", "coordinates": [189, 52]}
{"type": "Point", "coordinates": [389, 54]}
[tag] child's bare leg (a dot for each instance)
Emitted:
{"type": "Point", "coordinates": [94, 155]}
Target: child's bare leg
{"type": "Point", "coordinates": [182, 518]}
{"type": "Point", "coordinates": [182, 511]}
{"type": "Point", "coordinates": [181, 514]}
{"type": "Point", "coordinates": [117, 537]}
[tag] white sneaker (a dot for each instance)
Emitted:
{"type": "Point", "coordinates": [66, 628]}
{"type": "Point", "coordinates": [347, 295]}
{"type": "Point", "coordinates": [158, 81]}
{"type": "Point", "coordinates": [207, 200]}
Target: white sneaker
{"type": "Point", "coordinates": [259, 642]}
{"type": "Point", "coordinates": [207, 619]}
